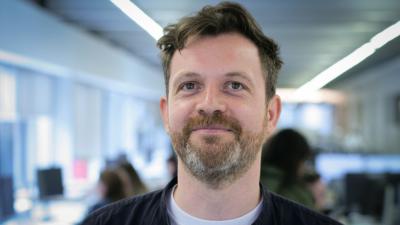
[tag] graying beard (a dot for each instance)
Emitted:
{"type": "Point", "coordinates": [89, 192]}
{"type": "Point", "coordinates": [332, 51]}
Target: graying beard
{"type": "Point", "coordinates": [217, 177]}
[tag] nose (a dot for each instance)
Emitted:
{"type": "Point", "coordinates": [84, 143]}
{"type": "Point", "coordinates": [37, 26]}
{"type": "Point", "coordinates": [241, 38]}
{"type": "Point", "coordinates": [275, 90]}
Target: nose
{"type": "Point", "coordinates": [211, 101]}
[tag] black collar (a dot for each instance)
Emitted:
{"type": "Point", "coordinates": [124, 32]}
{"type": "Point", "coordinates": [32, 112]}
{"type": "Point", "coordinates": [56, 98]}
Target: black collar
{"type": "Point", "coordinates": [265, 217]}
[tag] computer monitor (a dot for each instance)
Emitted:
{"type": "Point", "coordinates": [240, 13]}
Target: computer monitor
{"type": "Point", "coordinates": [6, 198]}
{"type": "Point", "coordinates": [393, 179]}
{"type": "Point", "coordinates": [50, 183]}
{"type": "Point", "coordinates": [364, 193]}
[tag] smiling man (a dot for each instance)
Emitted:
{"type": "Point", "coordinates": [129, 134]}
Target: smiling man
{"type": "Point", "coordinates": [220, 107]}
{"type": "Point", "coordinates": [213, 111]}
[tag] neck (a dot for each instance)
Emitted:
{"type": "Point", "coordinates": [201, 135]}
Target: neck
{"type": "Point", "coordinates": [231, 201]}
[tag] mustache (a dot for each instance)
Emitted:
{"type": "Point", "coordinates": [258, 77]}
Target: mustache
{"type": "Point", "coordinates": [216, 119]}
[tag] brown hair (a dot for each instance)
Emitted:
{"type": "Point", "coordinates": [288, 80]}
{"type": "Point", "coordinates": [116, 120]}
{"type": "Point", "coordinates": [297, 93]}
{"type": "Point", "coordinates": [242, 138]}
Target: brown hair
{"type": "Point", "coordinates": [286, 150]}
{"type": "Point", "coordinates": [134, 185]}
{"type": "Point", "coordinates": [113, 184]}
{"type": "Point", "coordinates": [225, 17]}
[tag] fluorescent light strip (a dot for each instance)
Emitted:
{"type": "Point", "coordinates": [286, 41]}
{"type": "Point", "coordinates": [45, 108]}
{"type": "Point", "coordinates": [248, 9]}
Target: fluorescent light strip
{"type": "Point", "coordinates": [351, 60]}
{"type": "Point", "coordinates": [141, 18]}
{"type": "Point", "coordinates": [320, 80]}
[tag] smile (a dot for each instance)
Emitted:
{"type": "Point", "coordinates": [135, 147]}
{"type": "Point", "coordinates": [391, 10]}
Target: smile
{"type": "Point", "coordinates": [211, 130]}
{"type": "Point", "coordinates": [212, 127]}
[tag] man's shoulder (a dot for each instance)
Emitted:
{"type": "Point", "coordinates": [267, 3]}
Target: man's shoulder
{"type": "Point", "coordinates": [289, 212]}
{"type": "Point", "coordinates": [134, 210]}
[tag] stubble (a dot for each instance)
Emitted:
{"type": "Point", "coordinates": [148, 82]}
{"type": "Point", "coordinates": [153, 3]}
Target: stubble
{"type": "Point", "coordinates": [214, 161]}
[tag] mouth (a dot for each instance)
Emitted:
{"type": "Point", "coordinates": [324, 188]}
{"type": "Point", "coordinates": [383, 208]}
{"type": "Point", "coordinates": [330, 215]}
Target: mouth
{"type": "Point", "coordinates": [212, 129]}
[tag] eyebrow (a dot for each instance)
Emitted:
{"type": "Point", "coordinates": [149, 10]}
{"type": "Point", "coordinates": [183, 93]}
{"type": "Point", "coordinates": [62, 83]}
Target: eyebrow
{"type": "Point", "coordinates": [241, 75]}
{"type": "Point", "coordinates": [183, 76]}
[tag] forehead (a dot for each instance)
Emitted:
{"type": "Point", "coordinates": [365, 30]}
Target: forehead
{"type": "Point", "coordinates": [221, 54]}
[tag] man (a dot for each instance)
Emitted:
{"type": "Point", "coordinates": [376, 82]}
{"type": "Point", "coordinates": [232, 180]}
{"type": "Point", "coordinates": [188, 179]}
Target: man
{"type": "Point", "coordinates": [220, 106]}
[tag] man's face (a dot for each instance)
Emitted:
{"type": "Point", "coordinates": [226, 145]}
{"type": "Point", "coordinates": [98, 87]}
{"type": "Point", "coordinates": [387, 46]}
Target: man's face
{"type": "Point", "coordinates": [216, 111]}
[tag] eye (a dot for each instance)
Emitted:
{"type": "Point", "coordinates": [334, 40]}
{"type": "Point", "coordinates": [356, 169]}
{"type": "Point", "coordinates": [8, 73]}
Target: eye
{"type": "Point", "coordinates": [188, 86]}
{"type": "Point", "coordinates": [234, 85]}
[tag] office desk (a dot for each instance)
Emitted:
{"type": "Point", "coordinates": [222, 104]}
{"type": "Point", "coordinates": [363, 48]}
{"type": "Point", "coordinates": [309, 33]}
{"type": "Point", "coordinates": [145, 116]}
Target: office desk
{"type": "Point", "coordinates": [58, 212]}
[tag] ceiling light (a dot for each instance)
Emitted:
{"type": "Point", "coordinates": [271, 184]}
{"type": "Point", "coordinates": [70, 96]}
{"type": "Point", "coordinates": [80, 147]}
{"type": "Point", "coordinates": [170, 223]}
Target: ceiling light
{"type": "Point", "coordinates": [141, 18]}
{"type": "Point", "coordinates": [350, 61]}
{"type": "Point", "coordinates": [385, 36]}
{"type": "Point", "coordinates": [322, 96]}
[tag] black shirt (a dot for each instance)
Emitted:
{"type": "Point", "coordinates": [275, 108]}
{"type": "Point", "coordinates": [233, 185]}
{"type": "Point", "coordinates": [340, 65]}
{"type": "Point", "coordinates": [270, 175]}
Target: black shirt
{"type": "Point", "coordinates": [151, 209]}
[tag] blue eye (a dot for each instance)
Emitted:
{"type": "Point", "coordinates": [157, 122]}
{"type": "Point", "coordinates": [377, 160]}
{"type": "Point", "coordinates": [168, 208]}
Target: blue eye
{"type": "Point", "coordinates": [188, 86]}
{"type": "Point", "coordinates": [235, 85]}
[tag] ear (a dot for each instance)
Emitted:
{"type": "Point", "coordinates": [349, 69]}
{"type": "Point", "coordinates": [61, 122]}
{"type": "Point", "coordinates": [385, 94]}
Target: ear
{"type": "Point", "coordinates": [273, 112]}
{"type": "Point", "coordinates": [164, 112]}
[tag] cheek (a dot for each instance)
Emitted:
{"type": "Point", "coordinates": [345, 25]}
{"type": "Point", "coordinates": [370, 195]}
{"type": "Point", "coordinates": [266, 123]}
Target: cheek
{"type": "Point", "coordinates": [252, 119]}
{"type": "Point", "coordinates": [177, 117]}
{"type": "Point", "coordinates": [175, 123]}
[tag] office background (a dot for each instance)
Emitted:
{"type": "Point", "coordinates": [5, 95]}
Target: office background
{"type": "Point", "coordinates": [80, 84]}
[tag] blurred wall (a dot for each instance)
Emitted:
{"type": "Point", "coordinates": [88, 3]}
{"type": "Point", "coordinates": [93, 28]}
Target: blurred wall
{"type": "Point", "coordinates": [370, 111]}
{"type": "Point", "coordinates": [31, 32]}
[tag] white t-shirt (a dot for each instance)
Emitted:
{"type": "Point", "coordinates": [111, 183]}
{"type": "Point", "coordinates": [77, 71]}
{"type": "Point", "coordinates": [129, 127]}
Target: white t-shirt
{"type": "Point", "coordinates": [180, 217]}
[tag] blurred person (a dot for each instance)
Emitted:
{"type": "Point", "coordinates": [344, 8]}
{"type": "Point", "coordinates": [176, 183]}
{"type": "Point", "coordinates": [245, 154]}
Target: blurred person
{"type": "Point", "coordinates": [220, 106]}
{"type": "Point", "coordinates": [133, 184]}
{"type": "Point", "coordinates": [283, 166]}
{"type": "Point", "coordinates": [318, 190]}
{"type": "Point", "coordinates": [110, 189]}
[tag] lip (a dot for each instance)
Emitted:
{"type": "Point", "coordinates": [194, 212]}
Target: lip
{"type": "Point", "coordinates": [211, 128]}
{"type": "Point", "coordinates": [211, 132]}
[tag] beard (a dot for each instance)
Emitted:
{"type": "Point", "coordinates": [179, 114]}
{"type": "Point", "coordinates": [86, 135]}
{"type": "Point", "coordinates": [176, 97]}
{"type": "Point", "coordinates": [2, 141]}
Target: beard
{"type": "Point", "coordinates": [212, 159]}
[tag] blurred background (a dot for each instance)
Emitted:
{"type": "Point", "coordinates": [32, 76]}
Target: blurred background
{"type": "Point", "coordinates": [80, 84]}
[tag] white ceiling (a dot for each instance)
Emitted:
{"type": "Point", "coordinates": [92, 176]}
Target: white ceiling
{"type": "Point", "coordinates": [312, 34]}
